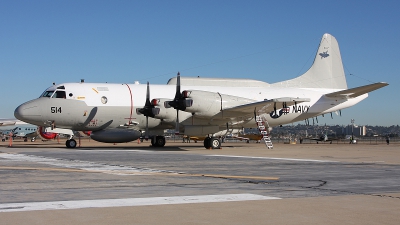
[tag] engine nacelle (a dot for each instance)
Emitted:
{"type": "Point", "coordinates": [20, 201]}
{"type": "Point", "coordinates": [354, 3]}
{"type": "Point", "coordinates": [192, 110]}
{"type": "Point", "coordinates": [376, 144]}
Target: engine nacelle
{"type": "Point", "coordinates": [166, 112]}
{"type": "Point", "coordinates": [205, 103]}
{"type": "Point", "coordinates": [115, 135]}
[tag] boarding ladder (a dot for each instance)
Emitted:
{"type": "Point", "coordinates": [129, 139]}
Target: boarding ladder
{"type": "Point", "coordinates": [264, 132]}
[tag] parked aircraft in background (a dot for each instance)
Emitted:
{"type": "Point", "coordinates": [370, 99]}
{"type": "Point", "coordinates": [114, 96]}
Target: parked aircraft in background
{"type": "Point", "coordinates": [17, 128]}
{"type": "Point", "coordinates": [28, 131]}
{"type": "Point", "coordinates": [323, 138]}
{"type": "Point", "coordinates": [125, 112]}
{"type": "Point", "coordinates": [249, 137]}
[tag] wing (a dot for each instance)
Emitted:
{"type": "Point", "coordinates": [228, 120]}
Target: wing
{"type": "Point", "coordinates": [355, 92]}
{"type": "Point", "coordinates": [10, 122]}
{"type": "Point", "coordinates": [242, 138]}
{"type": "Point", "coordinates": [7, 122]}
{"type": "Point", "coordinates": [265, 106]}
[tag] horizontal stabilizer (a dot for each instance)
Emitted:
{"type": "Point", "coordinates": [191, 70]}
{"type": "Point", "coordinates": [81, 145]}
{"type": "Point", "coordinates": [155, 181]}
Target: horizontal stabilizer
{"type": "Point", "coordinates": [355, 92]}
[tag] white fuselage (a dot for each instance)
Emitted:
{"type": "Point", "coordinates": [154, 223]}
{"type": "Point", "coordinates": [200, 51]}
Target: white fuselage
{"type": "Point", "coordinates": [116, 104]}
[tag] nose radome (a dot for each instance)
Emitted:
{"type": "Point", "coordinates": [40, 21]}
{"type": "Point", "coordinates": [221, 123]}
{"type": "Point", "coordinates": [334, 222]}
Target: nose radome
{"type": "Point", "coordinates": [29, 112]}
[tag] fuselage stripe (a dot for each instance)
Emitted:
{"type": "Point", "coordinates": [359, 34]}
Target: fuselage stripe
{"type": "Point", "coordinates": [130, 115]}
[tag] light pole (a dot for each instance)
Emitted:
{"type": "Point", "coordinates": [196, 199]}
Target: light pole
{"type": "Point", "coordinates": [352, 133]}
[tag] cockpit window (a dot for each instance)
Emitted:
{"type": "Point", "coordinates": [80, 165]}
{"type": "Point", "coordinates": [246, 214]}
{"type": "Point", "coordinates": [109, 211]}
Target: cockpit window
{"type": "Point", "coordinates": [59, 94]}
{"type": "Point", "coordinates": [54, 94]}
{"type": "Point", "coordinates": [47, 94]}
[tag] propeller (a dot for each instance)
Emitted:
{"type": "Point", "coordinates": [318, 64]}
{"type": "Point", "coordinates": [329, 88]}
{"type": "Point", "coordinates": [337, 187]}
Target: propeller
{"type": "Point", "coordinates": [179, 102]}
{"type": "Point", "coordinates": [148, 110]}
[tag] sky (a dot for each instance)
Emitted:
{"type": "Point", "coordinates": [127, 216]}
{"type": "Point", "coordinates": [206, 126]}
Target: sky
{"type": "Point", "coordinates": [42, 42]}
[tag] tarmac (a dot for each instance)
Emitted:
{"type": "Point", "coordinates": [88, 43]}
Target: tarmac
{"type": "Point", "coordinates": [184, 183]}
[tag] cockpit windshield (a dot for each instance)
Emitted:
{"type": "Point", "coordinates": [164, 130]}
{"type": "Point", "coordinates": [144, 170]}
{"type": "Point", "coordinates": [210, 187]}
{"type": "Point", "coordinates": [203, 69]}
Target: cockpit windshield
{"type": "Point", "coordinates": [59, 94]}
{"type": "Point", "coordinates": [54, 94]}
{"type": "Point", "coordinates": [47, 94]}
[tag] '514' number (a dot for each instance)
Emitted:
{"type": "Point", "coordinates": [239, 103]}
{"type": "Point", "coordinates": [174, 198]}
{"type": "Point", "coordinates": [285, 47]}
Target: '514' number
{"type": "Point", "coordinates": [55, 109]}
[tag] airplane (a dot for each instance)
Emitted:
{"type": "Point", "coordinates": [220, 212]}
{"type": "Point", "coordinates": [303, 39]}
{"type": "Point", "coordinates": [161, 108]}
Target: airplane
{"type": "Point", "coordinates": [323, 138]}
{"type": "Point", "coordinates": [242, 136]}
{"type": "Point", "coordinates": [221, 135]}
{"type": "Point", "coordinates": [25, 130]}
{"type": "Point", "coordinates": [248, 137]}
{"type": "Point", "coordinates": [123, 112]}
{"type": "Point", "coordinates": [17, 128]}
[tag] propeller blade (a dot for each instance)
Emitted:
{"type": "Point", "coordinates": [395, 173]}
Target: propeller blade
{"type": "Point", "coordinates": [178, 85]}
{"type": "Point", "coordinates": [177, 122]}
{"type": "Point", "coordinates": [148, 95]}
{"type": "Point", "coordinates": [147, 128]}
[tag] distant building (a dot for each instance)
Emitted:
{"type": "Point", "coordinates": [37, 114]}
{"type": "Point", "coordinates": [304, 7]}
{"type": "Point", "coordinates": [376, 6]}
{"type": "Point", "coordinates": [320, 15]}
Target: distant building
{"type": "Point", "coordinates": [358, 131]}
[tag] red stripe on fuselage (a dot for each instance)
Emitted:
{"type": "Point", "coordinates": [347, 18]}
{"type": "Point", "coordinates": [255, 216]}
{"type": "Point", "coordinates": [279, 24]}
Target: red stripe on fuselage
{"type": "Point", "coordinates": [130, 115]}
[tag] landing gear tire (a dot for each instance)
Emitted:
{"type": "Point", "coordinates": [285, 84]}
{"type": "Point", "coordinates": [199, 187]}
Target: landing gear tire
{"type": "Point", "coordinates": [70, 143]}
{"type": "Point", "coordinates": [212, 142]}
{"type": "Point", "coordinates": [215, 143]}
{"type": "Point", "coordinates": [207, 143]}
{"type": "Point", "coordinates": [158, 141]}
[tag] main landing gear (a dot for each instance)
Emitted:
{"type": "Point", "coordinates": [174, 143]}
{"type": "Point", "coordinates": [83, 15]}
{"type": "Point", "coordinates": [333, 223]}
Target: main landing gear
{"type": "Point", "coordinates": [212, 142]}
{"type": "Point", "coordinates": [70, 143]}
{"type": "Point", "coordinates": [158, 141]}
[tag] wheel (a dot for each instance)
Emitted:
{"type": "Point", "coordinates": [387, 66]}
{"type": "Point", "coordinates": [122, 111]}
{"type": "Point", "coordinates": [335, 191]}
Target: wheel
{"type": "Point", "coordinates": [207, 143]}
{"type": "Point", "coordinates": [160, 141]}
{"type": "Point", "coordinates": [70, 143]}
{"type": "Point", "coordinates": [215, 143]}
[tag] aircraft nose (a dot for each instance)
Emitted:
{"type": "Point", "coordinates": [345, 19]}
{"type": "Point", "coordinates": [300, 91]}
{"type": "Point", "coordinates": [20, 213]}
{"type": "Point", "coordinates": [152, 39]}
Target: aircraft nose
{"type": "Point", "coordinates": [29, 112]}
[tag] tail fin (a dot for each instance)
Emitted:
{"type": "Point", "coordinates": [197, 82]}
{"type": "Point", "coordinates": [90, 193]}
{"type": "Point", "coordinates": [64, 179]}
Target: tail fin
{"type": "Point", "coordinates": [326, 71]}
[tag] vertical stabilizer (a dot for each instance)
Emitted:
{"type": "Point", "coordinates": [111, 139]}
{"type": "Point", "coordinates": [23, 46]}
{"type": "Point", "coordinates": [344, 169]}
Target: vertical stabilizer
{"type": "Point", "coordinates": [326, 71]}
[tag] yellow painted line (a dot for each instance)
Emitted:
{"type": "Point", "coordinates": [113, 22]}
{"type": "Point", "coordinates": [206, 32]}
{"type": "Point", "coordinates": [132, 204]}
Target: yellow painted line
{"type": "Point", "coordinates": [139, 173]}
